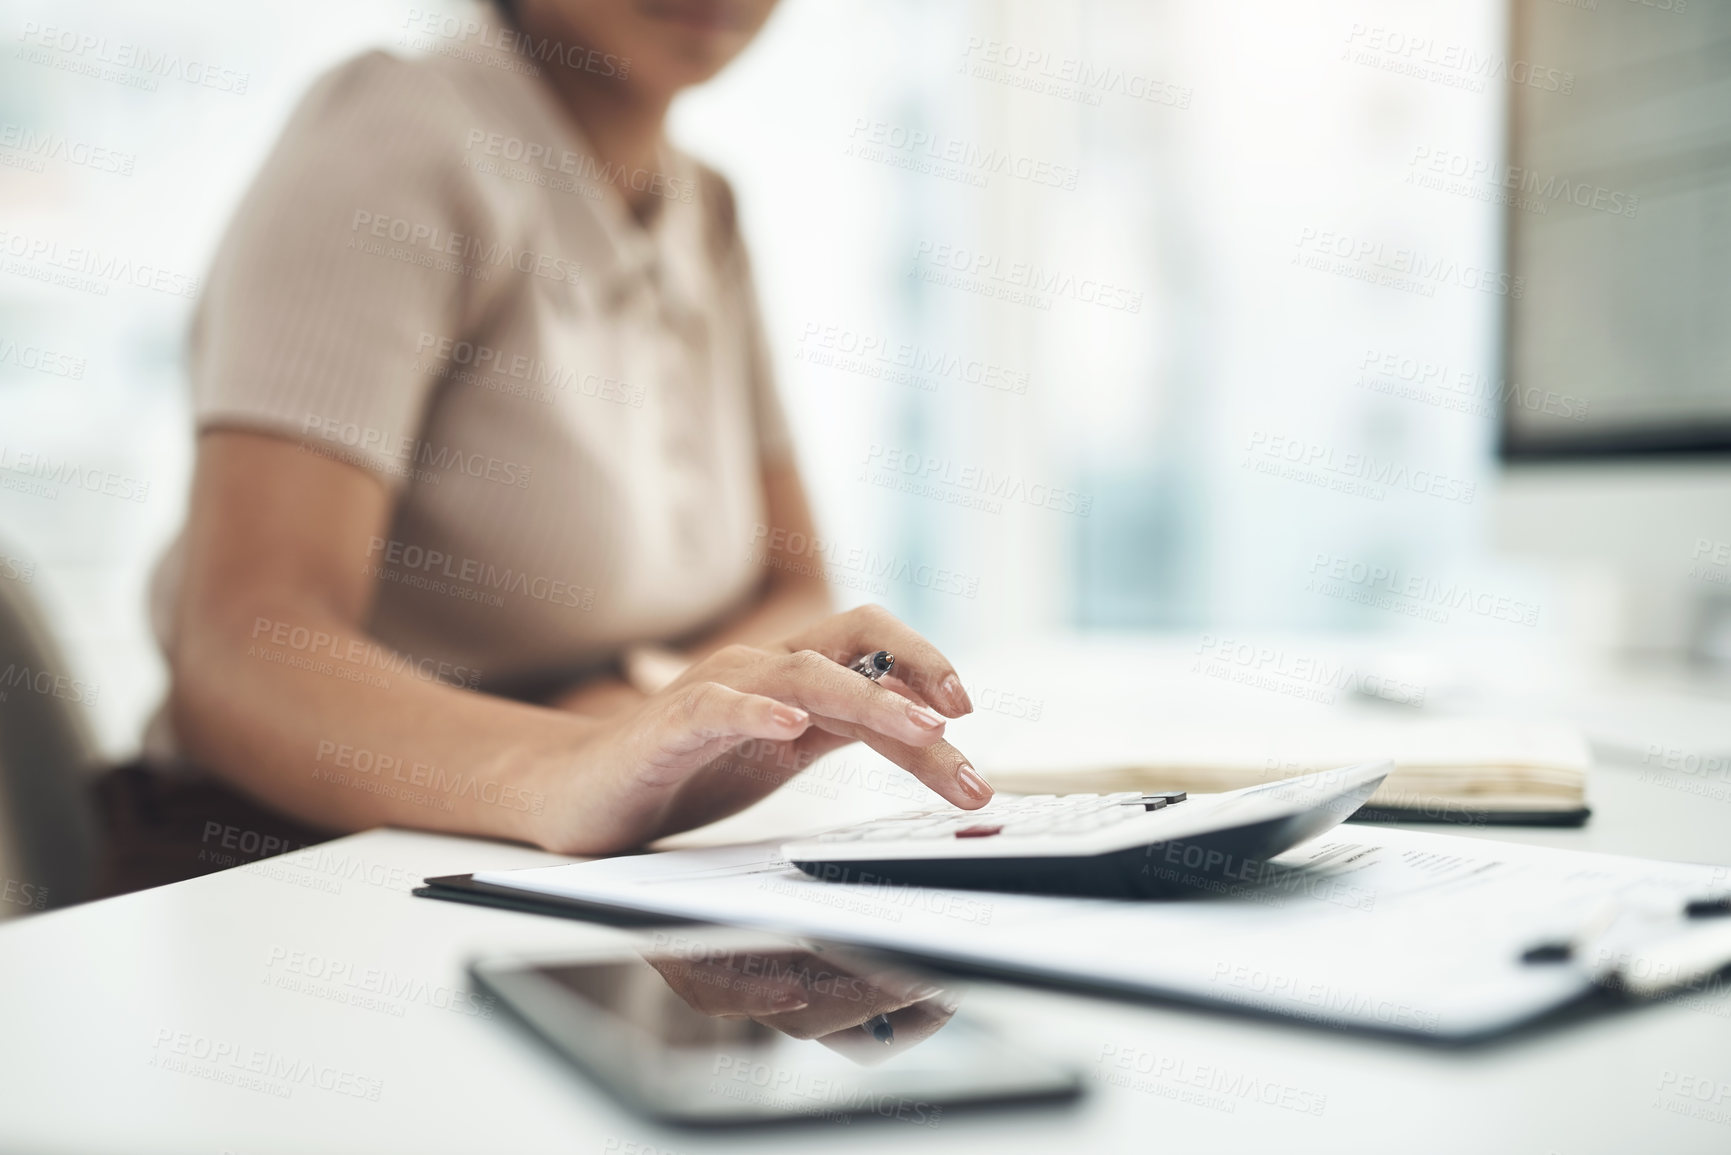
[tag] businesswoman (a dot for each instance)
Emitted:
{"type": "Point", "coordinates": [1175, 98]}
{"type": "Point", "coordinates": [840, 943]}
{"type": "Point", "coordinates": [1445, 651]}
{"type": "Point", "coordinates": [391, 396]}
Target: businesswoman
{"type": "Point", "coordinates": [495, 526]}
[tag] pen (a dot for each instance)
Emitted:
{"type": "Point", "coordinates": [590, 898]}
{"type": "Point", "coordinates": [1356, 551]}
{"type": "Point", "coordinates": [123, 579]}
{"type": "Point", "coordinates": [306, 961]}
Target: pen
{"type": "Point", "coordinates": [874, 666]}
{"type": "Point", "coordinates": [880, 1028]}
{"type": "Point", "coordinates": [1646, 950]}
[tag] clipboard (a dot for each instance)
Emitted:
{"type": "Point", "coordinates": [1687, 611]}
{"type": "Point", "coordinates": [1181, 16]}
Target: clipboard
{"type": "Point", "coordinates": [464, 888]}
{"type": "Point", "coordinates": [1385, 930]}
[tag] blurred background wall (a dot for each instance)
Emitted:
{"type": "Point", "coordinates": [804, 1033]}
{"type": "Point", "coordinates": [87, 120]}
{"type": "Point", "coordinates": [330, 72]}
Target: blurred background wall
{"type": "Point", "coordinates": [1115, 314]}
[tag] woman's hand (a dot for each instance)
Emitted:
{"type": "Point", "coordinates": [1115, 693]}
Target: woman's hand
{"type": "Point", "coordinates": [745, 719]}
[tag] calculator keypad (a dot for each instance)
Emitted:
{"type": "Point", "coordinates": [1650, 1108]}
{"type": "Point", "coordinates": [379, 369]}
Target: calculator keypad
{"type": "Point", "coordinates": [1035, 814]}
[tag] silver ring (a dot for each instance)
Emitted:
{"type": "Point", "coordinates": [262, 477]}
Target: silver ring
{"type": "Point", "coordinates": [874, 665]}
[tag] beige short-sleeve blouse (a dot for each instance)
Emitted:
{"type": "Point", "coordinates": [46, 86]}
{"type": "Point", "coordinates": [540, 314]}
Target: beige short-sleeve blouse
{"type": "Point", "coordinates": [433, 279]}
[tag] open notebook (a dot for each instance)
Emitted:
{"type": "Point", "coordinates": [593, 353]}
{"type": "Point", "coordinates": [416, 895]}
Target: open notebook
{"type": "Point", "coordinates": [1446, 769]}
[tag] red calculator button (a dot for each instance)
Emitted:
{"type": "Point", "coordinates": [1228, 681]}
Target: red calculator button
{"type": "Point", "coordinates": [978, 831]}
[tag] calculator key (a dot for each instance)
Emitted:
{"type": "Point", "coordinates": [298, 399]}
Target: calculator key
{"type": "Point", "coordinates": [925, 829]}
{"type": "Point", "coordinates": [979, 831]}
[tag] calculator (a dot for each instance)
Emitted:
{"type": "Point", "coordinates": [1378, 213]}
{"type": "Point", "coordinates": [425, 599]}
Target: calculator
{"type": "Point", "coordinates": [1131, 844]}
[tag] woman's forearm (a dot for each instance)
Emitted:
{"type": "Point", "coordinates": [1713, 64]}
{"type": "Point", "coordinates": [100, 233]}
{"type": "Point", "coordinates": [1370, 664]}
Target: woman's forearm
{"type": "Point", "coordinates": [318, 719]}
{"type": "Point", "coordinates": [278, 687]}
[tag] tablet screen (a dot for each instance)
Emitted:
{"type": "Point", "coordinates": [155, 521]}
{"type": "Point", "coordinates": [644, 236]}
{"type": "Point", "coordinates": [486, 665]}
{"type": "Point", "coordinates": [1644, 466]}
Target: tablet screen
{"type": "Point", "coordinates": [730, 1028]}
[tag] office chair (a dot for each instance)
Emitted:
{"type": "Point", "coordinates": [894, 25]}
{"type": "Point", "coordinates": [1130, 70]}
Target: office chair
{"type": "Point", "coordinates": [48, 839]}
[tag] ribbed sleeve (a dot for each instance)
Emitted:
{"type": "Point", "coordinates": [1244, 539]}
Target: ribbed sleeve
{"type": "Point", "coordinates": [345, 257]}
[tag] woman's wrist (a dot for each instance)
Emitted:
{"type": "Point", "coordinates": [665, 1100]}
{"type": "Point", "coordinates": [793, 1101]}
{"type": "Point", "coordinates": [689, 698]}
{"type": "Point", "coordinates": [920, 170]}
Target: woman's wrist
{"type": "Point", "coordinates": [584, 803]}
{"type": "Point", "coordinates": [541, 767]}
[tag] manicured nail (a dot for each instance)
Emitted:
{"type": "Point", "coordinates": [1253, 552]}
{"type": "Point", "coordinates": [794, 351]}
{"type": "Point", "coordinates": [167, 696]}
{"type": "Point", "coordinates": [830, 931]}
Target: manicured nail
{"type": "Point", "coordinates": [972, 784]}
{"type": "Point", "coordinates": [958, 697]}
{"type": "Point", "coordinates": [789, 716]}
{"type": "Point", "coordinates": [787, 1003]}
{"type": "Point", "coordinates": [925, 716]}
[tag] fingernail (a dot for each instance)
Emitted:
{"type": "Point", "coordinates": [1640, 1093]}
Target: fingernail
{"type": "Point", "coordinates": [786, 1003]}
{"type": "Point", "coordinates": [952, 688]}
{"type": "Point", "coordinates": [972, 784]}
{"type": "Point", "coordinates": [925, 716]}
{"type": "Point", "coordinates": [789, 716]}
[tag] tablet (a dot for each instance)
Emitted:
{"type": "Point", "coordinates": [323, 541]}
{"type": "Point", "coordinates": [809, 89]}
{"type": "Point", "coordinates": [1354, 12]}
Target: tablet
{"type": "Point", "coordinates": [700, 1025]}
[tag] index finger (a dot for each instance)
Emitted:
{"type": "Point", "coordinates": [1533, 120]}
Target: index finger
{"type": "Point", "coordinates": [920, 666]}
{"type": "Point", "coordinates": [939, 765]}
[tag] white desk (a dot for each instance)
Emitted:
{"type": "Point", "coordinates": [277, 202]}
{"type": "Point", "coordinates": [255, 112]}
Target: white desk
{"type": "Point", "coordinates": [94, 999]}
